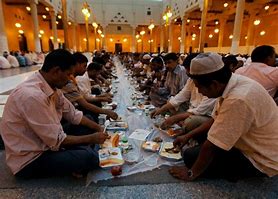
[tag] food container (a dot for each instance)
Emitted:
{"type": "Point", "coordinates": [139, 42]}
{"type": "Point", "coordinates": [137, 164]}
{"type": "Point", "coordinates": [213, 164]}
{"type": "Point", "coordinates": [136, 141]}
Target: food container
{"type": "Point", "coordinates": [110, 157]}
{"type": "Point", "coordinates": [151, 146]}
{"type": "Point", "coordinates": [169, 155]}
{"type": "Point", "coordinates": [113, 141]}
{"type": "Point", "coordinates": [117, 126]}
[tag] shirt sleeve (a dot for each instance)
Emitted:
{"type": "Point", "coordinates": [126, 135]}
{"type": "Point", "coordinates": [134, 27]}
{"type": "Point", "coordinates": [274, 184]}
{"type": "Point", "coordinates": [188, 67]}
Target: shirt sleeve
{"type": "Point", "coordinates": [71, 92]}
{"type": "Point", "coordinates": [233, 120]}
{"type": "Point", "coordinates": [205, 107]}
{"type": "Point", "coordinates": [43, 123]}
{"type": "Point", "coordinates": [70, 113]}
{"type": "Point", "coordinates": [183, 96]}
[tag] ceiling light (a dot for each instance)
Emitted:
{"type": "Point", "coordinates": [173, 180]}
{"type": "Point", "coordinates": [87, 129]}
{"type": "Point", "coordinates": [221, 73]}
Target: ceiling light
{"type": "Point", "coordinates": [18, 25]}
{"type": "Point", "coordinates": [262, 33]}
{"type": "Point", "coordinates": [164, 17]}
{"type": "Point", "coordinates": [199, 27]}
{"type": "Point", "coordinates": [51, 37]}
{"type": "Point", "coordinates": [59, 17]}
{"type": "Point", "coordinates": [188, 20]}
{"type": "Point", "coordinates": [95, 25]}
{"type": "Point", "coordinates": [28, 8]}
{"type": "Point", "coordinates": [69, 23]}
{"type": "Point", "coordinates": [41, 32]}
{"type": "Point", "coordinates": [193, 38]}
{"type": "Point", "coordinates": [231, 36]}
{"type": "Point", "coordinates": [139, 40]}
{"type": "Point", "coordinates": [40, 35]}
{"type": "Point", "coordinates": [98, 40]}
{"type": "Point", "coordinates": [216, 30]}
{"type": "Point", "coordinates": [44, 16]}
{"type": "Point", "coordinates": [194, 35]}
{"type": "Point", "coordinates": [226, 5]}
{"type": "Point", "coordinates": [245, 37]}
{"type": "Point", "coordinates": [102, 35]}
{"type": "Point", "coordinates": [210, 35]}
{"type": "Point", "coordinates": [58, 40]}
{"type": "Point", "coordinates": [125, 39]}
{"type": "Point", "coordinates": [57, 22]}
{"type": "Point", "coordinates": [179, 38]}
{"type": "Point", "coordinates": [99, 31]}
{"type": "Point", "coordinates": [111, 39]}
{"type": "Point", "coordinates": [142, 32]}
{"type": "Point", "coordinates": [47, 9]}
{"type": "Point", "coordinates": [84, 39]}
{"type": "Point", "coordinates": [20, 31]}
{"type": "Point", "coordinates": [137, 36]}
{"type": "Point", "coordinates": [266, 7]}
{"type": "Point", "coordinates": [257, 22]}
{"type": "Point", "coordinates": [216, 22]}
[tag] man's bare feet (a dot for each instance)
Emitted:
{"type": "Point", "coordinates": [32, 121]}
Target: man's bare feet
{"type": "Point", "coordinates": [179, 172]}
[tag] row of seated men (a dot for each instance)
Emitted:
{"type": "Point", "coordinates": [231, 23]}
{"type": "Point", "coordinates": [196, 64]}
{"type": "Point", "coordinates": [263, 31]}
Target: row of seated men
{"type": "Point", "coordinates": [20, 59]}
{"type": "Point", "coordinates": [233, 118]}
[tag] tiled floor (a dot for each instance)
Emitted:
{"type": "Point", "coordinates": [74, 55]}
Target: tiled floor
{"type": "Point", "coordinates": [10, 78]}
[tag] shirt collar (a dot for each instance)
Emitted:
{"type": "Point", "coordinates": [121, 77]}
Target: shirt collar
{"type": "Point", "coordinates": [46, 87]}
{"type": "Point", "coordinates": [177, 69]}
{"type": "Point", "coordinates": [231, 84]}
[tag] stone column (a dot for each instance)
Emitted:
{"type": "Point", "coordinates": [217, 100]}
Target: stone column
{"type": "Point", "coordinates": [54, 28]}
{"type": "Point", "coordinates": [183, 33]}
{"type": "Point", "coordinates": [170, 38]}
{"type": "Point", "coordinates": [133, 41]}
{"type": "Point", "coordinates": [3, 36]}
{"type": "Point", "coordinates": [237, 26]}
{"type": "Point", "coordinates": [222, 22]}
{"type": "Point", "coordinates": [203, 26]}
{"type": "Point", "coordinates": [161, 38]}
{"type": "Point", "coordinates": [34, 13]}
{"type": "Point", "coordinates": [65, 23]}
{"type": "Point", "coordinates": [250, 32]}
{"type": "Point", "coordinates": [104, 38]}
{"type": "Point", "coordinates": [74, 36]}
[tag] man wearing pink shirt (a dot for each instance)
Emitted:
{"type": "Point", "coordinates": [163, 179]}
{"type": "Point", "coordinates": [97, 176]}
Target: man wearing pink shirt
{"type": "Point", "coordinates": [35, 142]}
{"type": "Point", "coordinates": [262, 68]}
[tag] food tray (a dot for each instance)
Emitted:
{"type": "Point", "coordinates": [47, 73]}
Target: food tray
{"type": "Point", "coordinates": [169, 156]}
{"type": "Point", "coordinates": [151, 146]}
{"type": "Point", "coordinates": [117, 126]}
{"type": "Point", "coordinates": [112, 142]}
{"type": "Point", "coordinates": [110, 157]}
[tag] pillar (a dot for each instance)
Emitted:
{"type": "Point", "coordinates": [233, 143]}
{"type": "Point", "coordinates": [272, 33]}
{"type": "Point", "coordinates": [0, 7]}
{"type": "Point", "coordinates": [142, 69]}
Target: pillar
{"type": "Point", "coordinates": [250, 32]}
{"type": "Point", "coordinates": [170, 38]}
{"type": "Point", "coordinates": [34, 14]}
{"type": "Point", "coordinates": [183, 33]}
{"type": "Point", "coordinates": [162, 38]}
{"type": "Point", "coordinates": [133, 41]}
{"type": "Point", "coordinates": [54, 28]}
{"type": "Point", "coordinates": [3, 36]}
{"type": "Point", "coordinates": [222, 22]}
{"type": "Point", "coordinates": [65, 23]}
{"type": "Point", "coordinates": [203, 26]}
{"type": "Point", "coordinates": [237, 26]}
{"type": "Point", "coordinates": [74, 36]}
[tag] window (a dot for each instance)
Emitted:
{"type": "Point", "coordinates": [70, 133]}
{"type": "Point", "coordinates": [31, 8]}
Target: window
{"type": "Point", "coordinates": [119, 28]}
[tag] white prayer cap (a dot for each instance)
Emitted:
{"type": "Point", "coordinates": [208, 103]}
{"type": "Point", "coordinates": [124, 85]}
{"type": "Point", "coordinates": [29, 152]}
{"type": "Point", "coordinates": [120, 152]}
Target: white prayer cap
{"type": "Point", "coordinates": [205, 63]}
{"type": "Point", "coordinates": [147, 56]}
{"type": "Point", "coordinates": [163, 54]}
{"type": "Point", "coordinates": [154, 55]}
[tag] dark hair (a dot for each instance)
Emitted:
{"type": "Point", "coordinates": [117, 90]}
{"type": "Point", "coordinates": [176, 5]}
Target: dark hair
{"type": "Point", "coordinates": [99, 60]}
{"type": "Point", "coordinates": [231, 59]}
{"type": "Point", "coordinates": [260, 53]}
{"type": "Point", "coordinates": [80, 58]}
{"type": "Point", "coordinates": [157, 60]}
{"type": "Point", "coordinates": [223, 76]}
{"type": "Point", "coordinates": [171, 56]}
{"type": "Point", "coordinates": [61, 58]}
{"type": "Point", "coordinates": [94, 66]}
{"type": "Point", "coordinates": [187, 61]}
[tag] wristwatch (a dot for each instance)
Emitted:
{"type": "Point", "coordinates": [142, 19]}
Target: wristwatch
{"type": "Point", "coordinates": [190, 173]}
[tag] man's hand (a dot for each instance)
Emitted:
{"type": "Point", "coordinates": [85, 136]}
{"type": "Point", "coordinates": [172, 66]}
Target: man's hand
{"type": "Point", "coordinates": [180, 141]}
{"type": "Point", "coordinates": [106, 99]}
{"type": "Point", "coordinates": [167, 123]}
{"type": "Point", "coordinates": [98, 138]}
{"type": "Point", "coordinates": [155, 113]}
{"type": "Point", "coordinates": [181, 172]}
{"type": "Point", "coordinates": [111, 114]}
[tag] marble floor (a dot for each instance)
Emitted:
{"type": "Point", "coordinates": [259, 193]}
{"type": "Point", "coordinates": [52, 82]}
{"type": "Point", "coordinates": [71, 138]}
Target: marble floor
{"type": "Point", "coordinates": [10, 78]}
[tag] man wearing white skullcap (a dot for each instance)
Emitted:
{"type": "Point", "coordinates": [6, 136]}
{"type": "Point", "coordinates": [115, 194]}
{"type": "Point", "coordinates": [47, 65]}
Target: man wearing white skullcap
{"type": "Point", "coordinates": [242, 140]}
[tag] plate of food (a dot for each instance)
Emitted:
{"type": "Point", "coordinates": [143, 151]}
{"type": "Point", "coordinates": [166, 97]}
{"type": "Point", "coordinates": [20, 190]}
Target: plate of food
{"type": "Point", "coordinates": [168, 151]}
{"type": "Point", "coordinates": [112, 141]}
{"type": "Point", "coordinates": [110, 157]}
{"type": "Point", "coordinates": [151, 146]}
{"type": "Point", "coordinates": [117, 126]}
{"type": "Point", "coordinates": [131, 108]}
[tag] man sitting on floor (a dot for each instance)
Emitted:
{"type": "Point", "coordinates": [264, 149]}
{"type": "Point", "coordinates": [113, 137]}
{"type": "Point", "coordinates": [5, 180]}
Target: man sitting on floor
{"type": "Point", "coordinates": [243, 139]}
{"type": "Point", "coordinates": [74, 95]}
{"type": "Point", "coordinates": [35, 143]}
